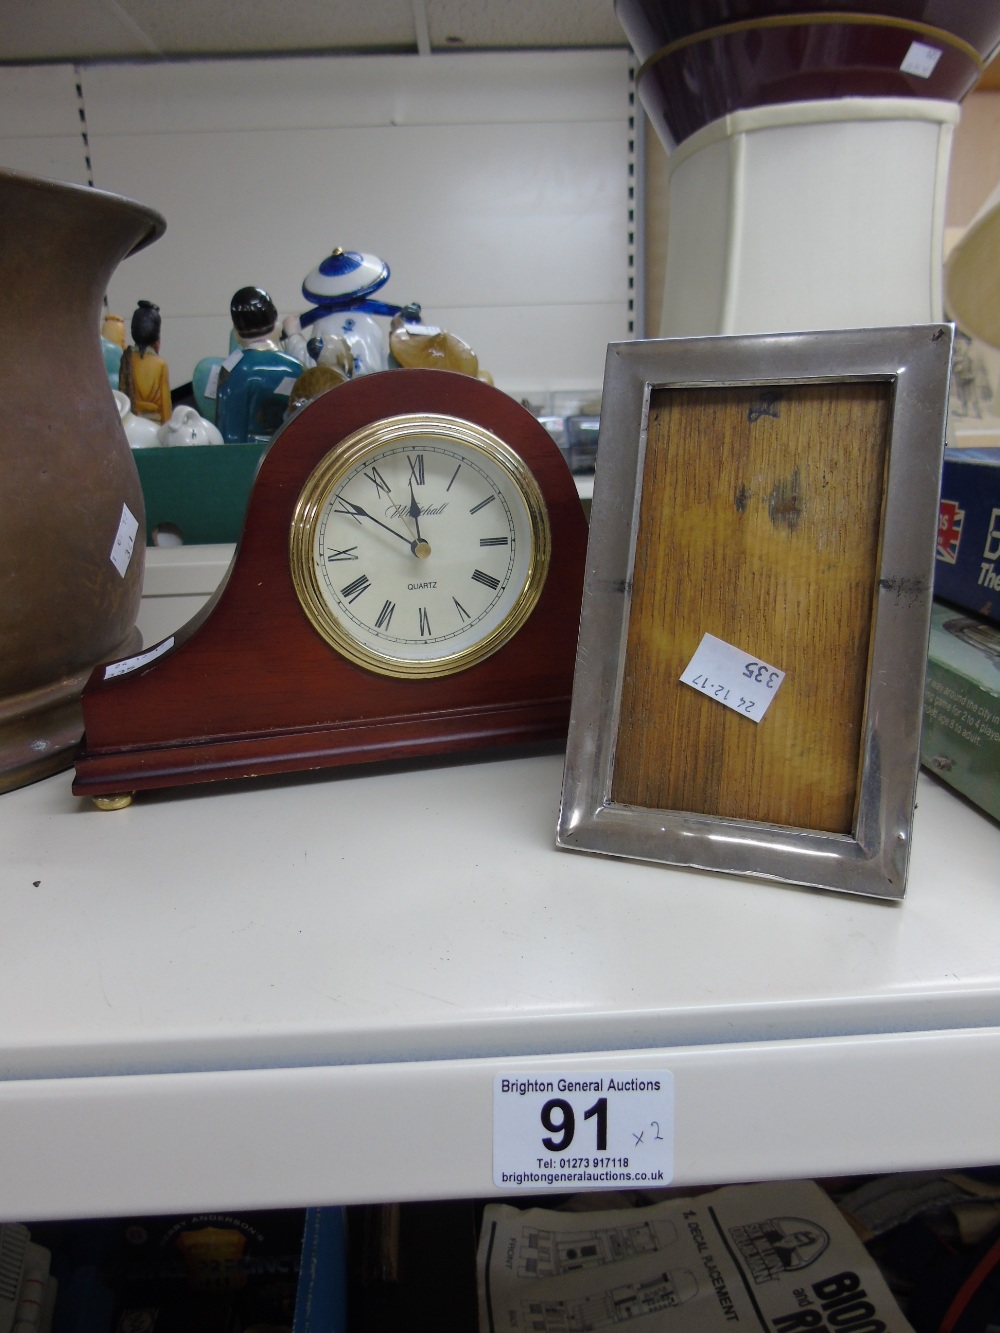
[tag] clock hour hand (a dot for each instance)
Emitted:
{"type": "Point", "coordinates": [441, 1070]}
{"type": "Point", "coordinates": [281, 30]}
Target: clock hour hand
{"type": "Point", "coordinates": [420, 548]}
{"type": "Point", "coordinates": [349, 507]}
{"type": "Point", "coordinates": [414, 511]}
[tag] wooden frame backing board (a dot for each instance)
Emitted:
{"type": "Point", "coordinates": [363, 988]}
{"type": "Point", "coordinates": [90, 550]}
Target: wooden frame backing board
{"type": "Point", "coordinates": [777, 493]}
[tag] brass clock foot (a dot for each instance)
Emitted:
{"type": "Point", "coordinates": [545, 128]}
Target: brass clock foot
{"type": "Point", "coordinates": [116, 802]}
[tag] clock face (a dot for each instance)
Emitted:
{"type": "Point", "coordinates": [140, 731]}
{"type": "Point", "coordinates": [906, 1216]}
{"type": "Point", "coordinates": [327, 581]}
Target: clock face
{"type": "Point", "coordinates": [419, 545]}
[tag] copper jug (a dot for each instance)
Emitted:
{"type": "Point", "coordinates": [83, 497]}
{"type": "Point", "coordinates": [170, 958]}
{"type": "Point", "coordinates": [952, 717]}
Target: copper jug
{"type": "Point", "coordinates": [72, 522]}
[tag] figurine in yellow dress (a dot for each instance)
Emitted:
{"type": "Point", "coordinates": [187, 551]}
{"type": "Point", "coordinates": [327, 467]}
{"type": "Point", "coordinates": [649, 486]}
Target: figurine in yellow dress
{"type": "Point", "coordinates": [144, 375]}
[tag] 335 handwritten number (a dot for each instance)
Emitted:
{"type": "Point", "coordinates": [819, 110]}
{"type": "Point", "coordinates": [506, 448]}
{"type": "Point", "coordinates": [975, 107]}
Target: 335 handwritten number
{"type": "Point", "coordinates": [760, 674]}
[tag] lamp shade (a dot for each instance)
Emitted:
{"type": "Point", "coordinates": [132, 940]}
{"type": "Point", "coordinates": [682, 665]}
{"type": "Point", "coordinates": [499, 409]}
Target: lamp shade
{"type": "Point", "coordinates": [972, 276]}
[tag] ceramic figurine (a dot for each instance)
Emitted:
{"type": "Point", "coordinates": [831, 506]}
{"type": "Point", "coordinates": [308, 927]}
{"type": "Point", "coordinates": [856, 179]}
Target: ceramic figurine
{"type": "Point", "coordinates": [143, 374]}
{"type": "Point", "coordinates": [113, 329]}
{"type": "Point", "coordinates": [139, 431]}
{"type": "Point", "coordinates": [254, 381]}
{"type": "Point", "coordinates": [112, 345]}
{"type": "Point", "coordinates": [204, 385]}
{"type": "Point", "coordinates": [185, 427]}
{"type": "Point", "coordinates": [311, 383]}
{"type": "Point", "coordinates": [342, 289]}
{"type": "Point", "coordinates": [334, 351]}
{"type": "Point", "coordinates": [413, 343]}
{"type": "Point", "coordinates": [361, 333]}
{"type": "Point", "coordinates": [112, 360]}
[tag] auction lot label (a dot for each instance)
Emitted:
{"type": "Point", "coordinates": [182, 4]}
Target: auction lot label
{"type": "Point", "coordinates": [596, 1131]}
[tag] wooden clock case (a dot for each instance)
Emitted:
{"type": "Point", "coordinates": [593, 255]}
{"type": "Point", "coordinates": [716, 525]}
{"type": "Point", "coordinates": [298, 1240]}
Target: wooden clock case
{"type": "Point", "coordinates": [249, 688]}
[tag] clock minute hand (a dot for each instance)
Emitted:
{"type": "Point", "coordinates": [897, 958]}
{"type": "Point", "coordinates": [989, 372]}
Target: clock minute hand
{"type": "Point", "coordinates": [357, 512]}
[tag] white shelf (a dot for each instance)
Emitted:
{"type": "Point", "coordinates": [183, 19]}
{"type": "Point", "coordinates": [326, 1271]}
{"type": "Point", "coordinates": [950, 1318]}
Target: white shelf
{"type": "Point", "coordinates": [299, 992]}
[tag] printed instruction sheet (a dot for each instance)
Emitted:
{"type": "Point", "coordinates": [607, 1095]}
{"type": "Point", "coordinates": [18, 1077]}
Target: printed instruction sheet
{"type": "Point", "coordinates": [778, 1257]}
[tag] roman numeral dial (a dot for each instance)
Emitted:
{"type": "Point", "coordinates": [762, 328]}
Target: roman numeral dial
{"type": "Point", "coordinates": [420, 546]}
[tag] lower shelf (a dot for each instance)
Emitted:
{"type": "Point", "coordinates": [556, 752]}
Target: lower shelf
{"type": "Point", "coordinates": [163, 1143]}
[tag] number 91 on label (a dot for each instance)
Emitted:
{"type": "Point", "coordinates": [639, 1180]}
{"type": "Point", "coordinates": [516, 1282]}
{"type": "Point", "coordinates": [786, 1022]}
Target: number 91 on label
{"type": "Point", "coordinates": [570, 1132]}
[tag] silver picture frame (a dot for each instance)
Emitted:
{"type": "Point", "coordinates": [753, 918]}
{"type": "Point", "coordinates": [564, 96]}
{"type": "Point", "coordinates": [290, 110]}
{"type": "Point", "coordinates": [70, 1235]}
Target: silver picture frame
{"type": "Point", "coordinates": [872, 858]}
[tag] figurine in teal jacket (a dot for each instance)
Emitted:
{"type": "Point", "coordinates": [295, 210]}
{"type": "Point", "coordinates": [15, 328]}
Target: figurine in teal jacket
{"type": "Point", "coordinates": [256, 380]}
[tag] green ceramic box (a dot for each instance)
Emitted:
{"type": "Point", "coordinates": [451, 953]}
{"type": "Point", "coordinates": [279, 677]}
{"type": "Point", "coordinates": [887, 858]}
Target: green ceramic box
{"type": "Point", "coordinates": [197, 494]}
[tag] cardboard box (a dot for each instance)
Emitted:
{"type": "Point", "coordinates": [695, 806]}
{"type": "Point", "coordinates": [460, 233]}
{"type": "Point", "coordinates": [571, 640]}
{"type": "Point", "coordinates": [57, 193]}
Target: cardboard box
{"type": "Point", "coordinates": [967, 563]}
{"type": "Point", "coordinates": [961, 734]}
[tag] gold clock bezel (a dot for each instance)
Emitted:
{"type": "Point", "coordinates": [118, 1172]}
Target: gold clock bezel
{"type": "Point", "coordinates": [345, 456]}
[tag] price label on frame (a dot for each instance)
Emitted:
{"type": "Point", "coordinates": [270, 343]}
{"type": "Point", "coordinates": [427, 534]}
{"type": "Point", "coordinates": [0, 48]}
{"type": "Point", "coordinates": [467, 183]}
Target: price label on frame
{"type": "Point", "coordinates": [735, 679]}
{"type": "Point", "coordinates": [583, 1131]}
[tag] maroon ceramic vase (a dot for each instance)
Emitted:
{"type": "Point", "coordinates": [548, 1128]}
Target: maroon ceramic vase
{"type": "Point", "coordinates": [651, 24]}
{"type": "Point", "coordinates": [701, 61]}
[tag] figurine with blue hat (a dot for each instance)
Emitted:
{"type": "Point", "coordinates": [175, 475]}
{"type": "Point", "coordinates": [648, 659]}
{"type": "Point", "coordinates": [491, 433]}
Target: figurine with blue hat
{"type": "Point", "coordinates": [342, 291]}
